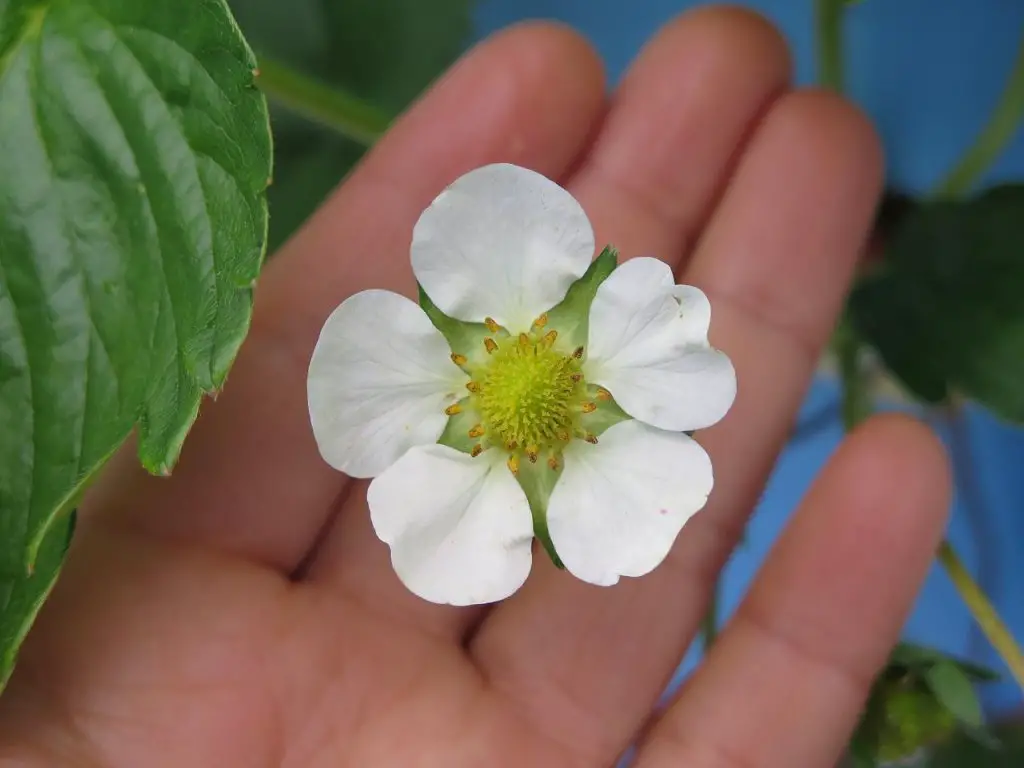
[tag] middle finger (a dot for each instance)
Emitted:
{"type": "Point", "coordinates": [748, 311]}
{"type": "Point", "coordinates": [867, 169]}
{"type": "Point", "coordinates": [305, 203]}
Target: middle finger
{"type": "Point", "coordinates": [776, 277]}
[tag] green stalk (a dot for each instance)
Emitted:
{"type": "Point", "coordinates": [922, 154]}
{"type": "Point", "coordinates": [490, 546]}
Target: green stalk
{"type": "Point", "coordinates": [1000, 129]}
{"type": "Point", "coordinates": [828, 18]}
{"type": "Point", "coordinates": [336, 109]}
{"type": "Point", "coordinates": [983, 611]}
{"type": "Point", "coordinates": [856, 401]}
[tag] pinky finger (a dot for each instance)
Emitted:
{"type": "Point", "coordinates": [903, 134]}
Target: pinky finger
{"type": "Point", "coordinates": [785, 683]}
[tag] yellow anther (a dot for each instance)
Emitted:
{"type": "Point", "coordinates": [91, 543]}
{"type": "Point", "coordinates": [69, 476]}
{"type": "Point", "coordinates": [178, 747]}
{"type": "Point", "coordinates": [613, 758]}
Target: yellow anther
{"type": "Point", "coordinates": [531, 453]}
{"type": "Point", "coordinates": [591, 438]}
{"type": "Point", "coordinates": [578, 352]}
{"type": "Point", "coordinates": [550, 336]}
{"type": "Point", "coordinates": [541, 321]}
{"type": "Point", "coordinates": [553, 462]}
{"type": "Point", "coordinates": [490, 345]}
{"type": "Point", "coordinates": [477, 450]}
{"type": "Point", "coordinates": [588, 407]}
{"type": "Point", "coordinates": [512, 445]}
{"type": "Point", "coordinates": [603, 394]}
{"type": "Point", "coordinates": [477, 431]}
{"type": "Point", "coordinates": [513, 464]}
{"type": "Point", "coordinates": [563, 435]}
{"type": "Point", "coordinates": [577, 378]}
{"type": "Point", "coordinates": [459, 359]}
{"type": "Point", "coordinates": [451, 410]}
{"type": "Point", "coordinates": [473, 387]}
{"type": "Point", "coordinates": [524, 340]}
{"type": "Point", "coordinates": [492, 326]}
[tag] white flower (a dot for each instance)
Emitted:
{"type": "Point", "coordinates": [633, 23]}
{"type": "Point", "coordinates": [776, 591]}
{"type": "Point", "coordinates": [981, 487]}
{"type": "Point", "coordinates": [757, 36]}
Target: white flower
{"type": "Point", "coordinates": [537, 392]}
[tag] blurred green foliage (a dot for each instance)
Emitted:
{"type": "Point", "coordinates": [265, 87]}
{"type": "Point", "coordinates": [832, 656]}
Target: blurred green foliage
{"type": "Point", "coordinates": [384, 51]}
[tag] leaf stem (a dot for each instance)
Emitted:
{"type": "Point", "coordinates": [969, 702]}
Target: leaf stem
{"type": "Point", "coordinates": [1000, 129]}
{"type": "Point", "coordinates": [983, 611]}
{"type": "Point", "coordinates": [336, 109]}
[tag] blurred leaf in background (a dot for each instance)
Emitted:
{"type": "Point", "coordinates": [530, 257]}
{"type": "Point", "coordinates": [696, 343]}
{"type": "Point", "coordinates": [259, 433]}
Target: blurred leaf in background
{"type": "Point", "coordinates": [964, 752]}
{"type": "Point", "coordinates": [944, 309]}
{"type": "Point", "coordinates": [920, 701]}
{"type": "Point", "coordinates": [383, 51]}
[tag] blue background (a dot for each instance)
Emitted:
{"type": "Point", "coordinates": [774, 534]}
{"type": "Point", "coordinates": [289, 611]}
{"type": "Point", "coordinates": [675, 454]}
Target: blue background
{"type": "Point", "coordinates": [929, 74]}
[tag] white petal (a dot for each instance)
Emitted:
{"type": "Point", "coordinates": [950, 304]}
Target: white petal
{"type": "Point", "coordinates": [648, 345]}
{"type": "Point", "coordinates": [619, 505]}
{"type": "Point", "coordinates": [501, 242]}
{"type": "Point", "coordinates": [379, 380]}
{"type": "Point", "coordinates": [459, 528]}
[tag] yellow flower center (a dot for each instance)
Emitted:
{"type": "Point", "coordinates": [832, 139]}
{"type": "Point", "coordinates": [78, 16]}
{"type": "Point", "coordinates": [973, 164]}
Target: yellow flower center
{"type": "Point", "coordinates": [527, 397]}
{"type": "Point", "coordinates": [527, 392]}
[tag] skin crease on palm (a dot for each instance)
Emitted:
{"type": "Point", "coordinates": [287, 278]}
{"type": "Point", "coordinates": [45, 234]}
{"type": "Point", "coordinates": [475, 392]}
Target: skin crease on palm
{"type": "Point", "coordinates": [242, 613]}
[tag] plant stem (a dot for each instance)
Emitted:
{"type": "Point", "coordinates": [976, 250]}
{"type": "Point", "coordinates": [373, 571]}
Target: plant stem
{"type": "Point", "coordinates": [983, 611]}
{"type": "Point", "coordinates": [994, 136]}
{"type": "Point", "coordinates": [856, 403]}
{"type": "Point", "coordinates": [828, 17]}
{"type": "Point", "coordinates": [343, 112]}
{"type": "Point", "coordinates": [709, 627]}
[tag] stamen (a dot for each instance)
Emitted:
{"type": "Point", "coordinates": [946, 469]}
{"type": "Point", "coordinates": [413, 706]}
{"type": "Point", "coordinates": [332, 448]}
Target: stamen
{"type": "Point", "coordinates": [490, 345]}
{"type": "Point", "coordinates": [577, 378]}
{"type": "Point", "coordinates": [563, 435]}
{"type": "Point", "coordinates": [492, 326]}
{"type": "Point", "coordinates": [453, 409]}
{"type": "Point", "coordinates": [553, 462]}
{"type": "Point", "coordinates": [473, 387]}
{"type": "Point", "coordinates": [524, 340]}
{"type": "Point", "coordinates": [603, 394]}
{"type": "Point", "coordinates": [588, 407]}
{"type": "Point", "coordinates": [591, 438]}
{"type": "Point", "coordinates": [531, 453]}
{"type": "Point", "coordinates": [512, 445]}
{"type": "Point", "coordinates": [477, 450]}
{"type": "Point", "coordinates": [513, 464]}
{"type": "Point", "coordinates": [459, 359]}
{"type": "Point", "coordinates": [541, 321]}
{"type": "Point", "coordinates": [550, 336]}
{"type": "Point", "coordinates": [578, 352]}
{"type": "Point", "coordinates": [477, 431]}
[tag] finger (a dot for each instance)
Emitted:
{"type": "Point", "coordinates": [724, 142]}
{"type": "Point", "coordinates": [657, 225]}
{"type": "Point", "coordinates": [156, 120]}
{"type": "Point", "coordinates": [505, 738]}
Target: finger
{"type": "Point", "coordinates": [775, 260]}
{"type": "Point", "coordinates": [823, 615]}
{"type": "Point", "coordinates": [251, 480]}
{"type": "Point", "coordinates": [674, 126]}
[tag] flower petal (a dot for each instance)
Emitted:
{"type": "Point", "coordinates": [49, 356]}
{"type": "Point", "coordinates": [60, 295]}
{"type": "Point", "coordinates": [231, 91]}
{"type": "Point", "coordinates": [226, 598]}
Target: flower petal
{"type": "Point", "coordinates": [648, 346]}
{"type": "Point", "coordinates": [501, 242]}
{"type": "Point", "coordinates": [459, 528]}
{"type": "Point", "coordinates": [619, 505]}
{"type": "Point", "coordinates": [379, 380]}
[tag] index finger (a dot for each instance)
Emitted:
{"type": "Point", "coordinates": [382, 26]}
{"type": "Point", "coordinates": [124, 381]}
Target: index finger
{"type": "Point", "coordinates": [251, 481]}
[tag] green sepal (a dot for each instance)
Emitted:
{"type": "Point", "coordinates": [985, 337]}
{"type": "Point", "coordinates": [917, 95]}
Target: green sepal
{"type": "Point", "coordinates": [463, 338]}
{"type": "Point", "coordinates": [608, 414]}
{"type": "Point", "coordinates": [537, 482]}
{"type": "Point", "coordinates": [456, 431]}
{"type": "Point", "coordinates": [571, 316]}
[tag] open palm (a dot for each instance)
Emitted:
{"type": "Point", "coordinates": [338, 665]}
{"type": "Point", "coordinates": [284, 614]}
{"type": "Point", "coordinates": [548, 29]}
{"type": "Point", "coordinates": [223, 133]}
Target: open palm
{"type": "Point", "coordinates": [243, 614]}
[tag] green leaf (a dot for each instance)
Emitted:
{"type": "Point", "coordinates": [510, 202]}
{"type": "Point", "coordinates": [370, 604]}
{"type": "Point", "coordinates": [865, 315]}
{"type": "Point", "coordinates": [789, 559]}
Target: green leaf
{"type": "Point", "coordinates": [134, 157]}
{"type": "Point", "coordinates": [919, 659]}
{"type": "Point", "coordinates": [954, 690]}
{"type": "Point", "coordinates": [384, 51]}
{"type": "Point", "coordinates": [25, 594]}
{"type": "Point", "coordinates": [944, 310]}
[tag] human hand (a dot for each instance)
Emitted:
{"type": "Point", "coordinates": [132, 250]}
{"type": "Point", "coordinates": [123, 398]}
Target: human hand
{"type": "Point", "coordinates": [242, 613]}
